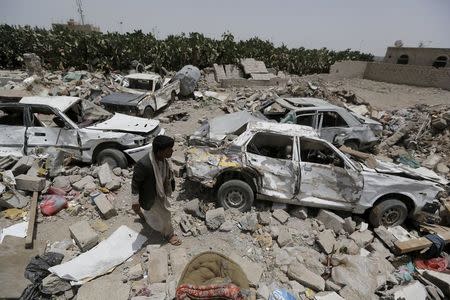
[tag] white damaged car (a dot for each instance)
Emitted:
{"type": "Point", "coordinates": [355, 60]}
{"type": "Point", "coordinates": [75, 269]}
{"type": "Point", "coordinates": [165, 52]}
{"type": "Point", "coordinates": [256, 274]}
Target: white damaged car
{"type": "Point", "coordinates": [87, 131]}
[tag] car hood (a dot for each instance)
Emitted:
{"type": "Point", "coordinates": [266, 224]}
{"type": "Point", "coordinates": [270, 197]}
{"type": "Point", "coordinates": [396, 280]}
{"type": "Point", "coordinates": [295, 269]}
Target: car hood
{"type": "Point", "coordinates": [125, 123]}
{"type": "Point", "coordinates": [122, 99]}
{"type": "Point", "coordinates": [405, 171]}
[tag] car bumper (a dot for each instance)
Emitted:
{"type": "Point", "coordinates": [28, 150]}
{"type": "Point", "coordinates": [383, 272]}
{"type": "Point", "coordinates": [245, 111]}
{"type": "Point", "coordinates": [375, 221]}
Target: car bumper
{"type": "Point", "coordinates": [139, 152]}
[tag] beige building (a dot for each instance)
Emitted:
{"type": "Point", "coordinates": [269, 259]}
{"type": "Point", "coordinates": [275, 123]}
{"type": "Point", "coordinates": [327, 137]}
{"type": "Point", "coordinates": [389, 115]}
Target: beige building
{"type": "Point", "coordinates": [73, 25]}
{"type": "Point", "coordinates": [435, 57]}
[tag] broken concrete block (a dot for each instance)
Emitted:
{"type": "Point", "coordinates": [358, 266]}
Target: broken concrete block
{"type": "Point", "coordinates": [301, 274]}
{"type": "Point", "coordinates": [264, 217]}
{"type": "Point", "coordinates": [326, 240]}
{"type": "Point", "coordinates": [114, 184]}
{"type": "Point", "coordinates": [158, 266]}
{"type": "Point", "coordinates": [362, 239]}
{"type": "Point", "coordinates": [23, 165]}
{"type": "Point", "coordinates": [432, 161]}
{"type": "Point", "coordinates": [227, 226]}
{"type": "Point", "coordinates": [178, 260]}
{"type": "Point", "coordinates": [215, 218]}
{"type": "Point", "coordinates": [117, 171]}
{"type": "Point", "coordinates": [62, 182]}
{"type": "Point", "coordinates": [30, 183]}
{"type": "Point", "coordinates": [331, 286]}
{"type": "Point", "coordinates": [284, 238]}
{"type": "Point", "coordinates": [331, 220]}
{"type": "Point", "coordinates": [249, 222]}
{"type": "Point", "coordinates": [300, 212]}
{"type": "Point", "coordinates": [349, 225]}
{"type": "Point", "coordinates": [109, 287]}
{"type": "Point", "coordinates": [80, 185]}
{"type": "Point", "coordinates": [13, 200]}
{"type": "Point", "coordinates": [135, 272]}
{"type": "Point", "coordinates": [442, 168]}
{"type": "Point", "coordinates": [105, 174]}
{"type": "Point", "coordinates": [280, 215]}
{"type": "Point", "coordinates": [263, 291]}
{"type": "Point", "coordinates": [193, 208]}
{"type": "Point", "coordinates": [105, 207]}
{"type": "Point", "coordinates": [84, 235]}
{"type": "Point", "coordinates": [327, 296]}
{"type": "Point", "coordinates": [296, 287]}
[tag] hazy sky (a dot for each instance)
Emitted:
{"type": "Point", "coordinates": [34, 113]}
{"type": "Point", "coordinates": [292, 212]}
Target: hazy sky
{"type": "Point", "coordinates": [364, 25]}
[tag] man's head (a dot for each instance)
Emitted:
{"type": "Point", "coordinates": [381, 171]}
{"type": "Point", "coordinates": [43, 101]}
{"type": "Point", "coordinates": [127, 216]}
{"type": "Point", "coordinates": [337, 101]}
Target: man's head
{"type": "Point", "coordinates": [163, 146]}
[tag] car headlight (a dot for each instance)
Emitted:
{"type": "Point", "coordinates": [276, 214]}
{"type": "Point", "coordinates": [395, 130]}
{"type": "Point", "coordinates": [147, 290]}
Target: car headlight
{"type": "Point", "coordinates": [140, 141]}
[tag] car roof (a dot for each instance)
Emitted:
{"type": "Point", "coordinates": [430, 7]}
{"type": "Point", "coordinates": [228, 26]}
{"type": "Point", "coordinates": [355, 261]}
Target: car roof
{"type": "Point", "coordinates": [60, 102]}
{"type": "Point", "coordinates": [305, 103]}
{"type": "Point", "coordinates": [143, 76]}
{"type": "Point", "coordinates": [282, 128]}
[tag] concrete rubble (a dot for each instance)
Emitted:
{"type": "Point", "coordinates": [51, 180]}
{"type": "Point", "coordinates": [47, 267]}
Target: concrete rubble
{"type": "Point", "coordinates": [313, 253]}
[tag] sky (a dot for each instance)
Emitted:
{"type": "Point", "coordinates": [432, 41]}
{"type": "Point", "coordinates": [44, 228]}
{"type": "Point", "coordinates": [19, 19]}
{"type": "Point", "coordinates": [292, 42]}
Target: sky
{"type": "Point", "coordinates": [364, 25]}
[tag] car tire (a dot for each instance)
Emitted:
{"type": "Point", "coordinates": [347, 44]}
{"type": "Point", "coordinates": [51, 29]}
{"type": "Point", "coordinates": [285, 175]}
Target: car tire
{"type": "Point", "coordinates": [148, 112]}
{"type": "Point", "coordinates": [235, 194]}
{"type": "Point", "coordinates": [390, 212]}
{"type": "Point", "coordinates": [113, 157]}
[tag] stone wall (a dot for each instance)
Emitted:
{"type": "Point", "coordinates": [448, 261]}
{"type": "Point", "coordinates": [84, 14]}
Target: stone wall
{"type": "Point", "coordinates": [416, 56]}
{"type": "Point", "coordinates": [408, 74]}
{"type": "Point", "coordinates": [348, 69]}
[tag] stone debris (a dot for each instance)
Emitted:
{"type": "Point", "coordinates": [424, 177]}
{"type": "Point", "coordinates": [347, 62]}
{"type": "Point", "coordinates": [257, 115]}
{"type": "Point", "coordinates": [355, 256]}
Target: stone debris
{"type": "Point", "coordinates": [215, 218]}
{"type": "Point", "coordinates": [280, 215]}
{"type": "Point", "coordinates": [249, 222]}
{"type": "Point", "coordinates": [158, 266]}
{"type": "Point", "coordinates": [29, 183]}
{"type": "Point", "coordinates": [264, 217]}
{"type": "Point", "coordinates": [84, 235]}
{"type": "Point", "coordinates": [331, 220]}
{"type": "Point", "coordinates": [302, 275]}
{"type": "Point", "coordinates": [327, 241]}
{"type": "Point", "coordinates": [105, 206]}
{"type": "Point", "coordinates": [284, 238]}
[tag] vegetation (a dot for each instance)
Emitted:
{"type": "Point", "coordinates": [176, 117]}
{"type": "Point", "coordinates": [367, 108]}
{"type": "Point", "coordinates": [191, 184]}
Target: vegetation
{"type": "Point", "coordinates": [62, 48]}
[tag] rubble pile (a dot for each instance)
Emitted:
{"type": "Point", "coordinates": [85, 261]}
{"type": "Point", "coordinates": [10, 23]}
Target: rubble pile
{"type": "Point", "coordinates": [418, 136]}
{"type": "Point", "coordinates": [308, 253]}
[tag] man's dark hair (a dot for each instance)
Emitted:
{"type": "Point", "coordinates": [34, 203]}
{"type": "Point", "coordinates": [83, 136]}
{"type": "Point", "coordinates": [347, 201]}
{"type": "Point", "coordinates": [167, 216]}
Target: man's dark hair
{"type": "Point", "coordinates": [162, 142]}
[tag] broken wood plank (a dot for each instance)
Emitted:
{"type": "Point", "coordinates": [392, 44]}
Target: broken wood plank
{"type": "Point", "coordinates": [369, 159]}
{"type": "Point", "coordinates": [418, 244]}
{"type": "Point", "coordinates": [31, 221]}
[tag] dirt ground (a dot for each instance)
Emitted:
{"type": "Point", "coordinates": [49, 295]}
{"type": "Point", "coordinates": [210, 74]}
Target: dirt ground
{"type": "Point", "coordinates": [13, 256]}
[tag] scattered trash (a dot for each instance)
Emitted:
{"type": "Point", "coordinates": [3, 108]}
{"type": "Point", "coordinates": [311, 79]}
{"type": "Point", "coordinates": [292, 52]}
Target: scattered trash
{"type": "Point", "coordinates": [52, 204]}
{"type": "Point", "coordinates": [17, 230]}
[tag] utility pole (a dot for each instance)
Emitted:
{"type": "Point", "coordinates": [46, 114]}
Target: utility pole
{"type": "Point", "coordinates": [80, 10]}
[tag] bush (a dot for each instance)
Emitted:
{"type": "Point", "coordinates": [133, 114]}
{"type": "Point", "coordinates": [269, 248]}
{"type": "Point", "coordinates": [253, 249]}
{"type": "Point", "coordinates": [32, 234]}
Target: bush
{"type": "Point", "coordinates": [62, 48]}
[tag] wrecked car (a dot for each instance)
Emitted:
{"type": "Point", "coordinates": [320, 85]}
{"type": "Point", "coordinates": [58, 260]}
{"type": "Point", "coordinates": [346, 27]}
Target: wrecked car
{"type": "Point", "coordinates": [335, 124]}
{"type": "Point", "coordinates": [290, 164]}
{"type": "Point", "coordinates": [142, 94]}
{"type": "Point", "coordinates": [76, 126]}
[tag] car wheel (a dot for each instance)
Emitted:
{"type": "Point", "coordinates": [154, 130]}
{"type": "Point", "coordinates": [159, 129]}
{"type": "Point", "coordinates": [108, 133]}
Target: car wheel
{"type": "Point", "coordinates": [235, 194]}
{"type": "Point", "coordinates": [148, 112]}
{"type": "Point", "coordinates": [113, 157]}
{"type": "Point", "coordinates": [388, 213]}
{"type": "Point", "coordinates": [352, 145]}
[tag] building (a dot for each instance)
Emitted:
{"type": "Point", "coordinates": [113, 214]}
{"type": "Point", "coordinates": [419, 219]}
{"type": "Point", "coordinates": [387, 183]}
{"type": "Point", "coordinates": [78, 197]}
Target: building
{"type": "Point", "coordinates": [435, 57]}
{"type": "Point", "coordinates": [73, 25]}
{"type": "Point", "coordinates": [427, 67]}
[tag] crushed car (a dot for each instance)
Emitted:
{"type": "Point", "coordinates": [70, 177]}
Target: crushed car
{"type": "Point", "coordinates": [290, 164]}
{"type": "Point", "coordinates": [85, 130]}
{"type": "Point", "coordinates": [335, 124]}
{"type": "Point", "coordinates": [142, 94]}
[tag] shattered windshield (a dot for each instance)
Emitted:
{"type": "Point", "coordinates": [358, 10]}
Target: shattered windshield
{"type": "Point", "coordinates": [85, 113]}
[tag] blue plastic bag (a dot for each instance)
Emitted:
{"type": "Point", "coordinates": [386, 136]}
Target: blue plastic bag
{"type": "Point", "coordinates": [281, 294]}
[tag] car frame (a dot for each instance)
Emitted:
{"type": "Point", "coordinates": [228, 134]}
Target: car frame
{"type": "Point", "coordinates": [335, 124]}
{"type": "Point", "coordinates": [46, 124]}
{"type": "Point", "coordinates": [143, 102]}
{"type": "Point", "coordinates": [390, 192]}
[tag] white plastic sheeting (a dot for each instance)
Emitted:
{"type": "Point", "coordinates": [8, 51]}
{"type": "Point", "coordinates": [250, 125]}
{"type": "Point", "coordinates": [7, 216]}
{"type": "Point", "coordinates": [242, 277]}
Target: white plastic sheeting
{"type": "Point", "coordinates": [104, 257]}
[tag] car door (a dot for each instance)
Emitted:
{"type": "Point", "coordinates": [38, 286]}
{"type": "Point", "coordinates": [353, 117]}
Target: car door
{"type": "Point", "coordinates": [326, 174]}
{"type": "Point", "coordinates": [12, 126]}
{"type": "Point", "coordinates": [332, 124]}
{"type": "Point", "coordinates": [274, 157]}
{"type": "Point", "coordinates": [48, 127]}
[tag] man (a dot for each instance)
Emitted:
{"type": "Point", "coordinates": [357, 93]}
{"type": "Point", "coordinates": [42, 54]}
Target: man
{"type": "Point", "coordinates": [152, 183]}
